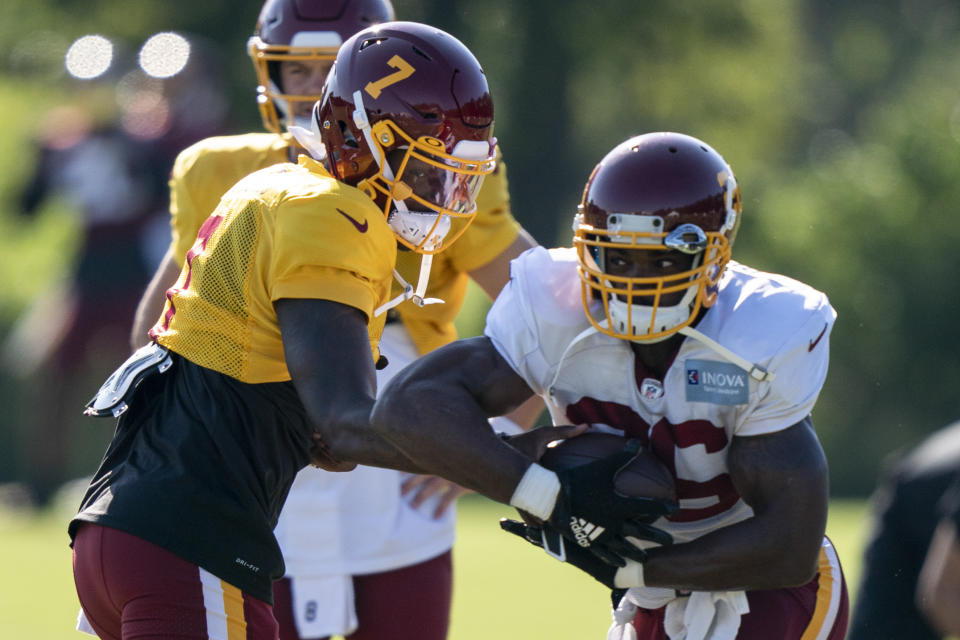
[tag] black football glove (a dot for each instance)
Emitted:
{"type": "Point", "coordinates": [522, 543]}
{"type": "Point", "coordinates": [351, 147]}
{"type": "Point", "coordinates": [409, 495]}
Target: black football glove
{"type": "Point", "coordinates": [556, 545]}
{"type": "Point", "coordinates": [594, 515]}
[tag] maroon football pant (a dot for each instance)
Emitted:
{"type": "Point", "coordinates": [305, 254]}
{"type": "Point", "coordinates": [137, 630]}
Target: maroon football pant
{"type": "Point", "coordinates": [132, 589]}
{"type": "Point", "coordinates": [412, 603]}
{"type": "Point", "coordinates": [817, 610]}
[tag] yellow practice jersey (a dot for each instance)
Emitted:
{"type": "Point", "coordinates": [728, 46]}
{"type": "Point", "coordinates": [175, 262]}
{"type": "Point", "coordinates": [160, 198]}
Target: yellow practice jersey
{"type": "Point", "coordinates": [207, 169]}
{"type": "Point", "coordinates": [287, 231]}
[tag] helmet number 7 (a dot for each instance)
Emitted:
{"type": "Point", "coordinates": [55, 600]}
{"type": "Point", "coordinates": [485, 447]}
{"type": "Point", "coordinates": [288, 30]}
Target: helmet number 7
{"type": "Point", "coordinates": [403, 70]}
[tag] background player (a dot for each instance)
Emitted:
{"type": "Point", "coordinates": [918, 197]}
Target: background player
{"type": "Point", "coordinates": [107, 157]}
{"type": "Point", "coordinates": [712, 365]}
{"type": "Point", "coordinates": [914, 524]}
{"type": "Point", "coordinates": [938, 587]}
{"type": "Point", "coordinates": [361, 558]}
{"type": "Point", "coordinates": [261, 357]}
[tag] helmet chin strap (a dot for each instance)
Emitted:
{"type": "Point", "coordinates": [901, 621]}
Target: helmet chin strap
{"type": "Point", "coordinates": [756, 372]}
{"type": "Point", "coordinates": [409, 293]}
{"type": "Point", "coordinates": [426, 260]}
{"type": "Point", "coordinates": [589, 331]}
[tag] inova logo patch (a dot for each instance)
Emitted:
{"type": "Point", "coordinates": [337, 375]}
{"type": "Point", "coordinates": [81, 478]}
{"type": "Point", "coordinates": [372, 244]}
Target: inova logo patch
{"type": "Point", "coordinates": [716, 382]}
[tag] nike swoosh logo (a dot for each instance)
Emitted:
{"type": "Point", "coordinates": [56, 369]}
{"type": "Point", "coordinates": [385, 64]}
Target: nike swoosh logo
{"type": "Point", "coordinates": [362, 228]}
{"type": "Point", "coordinates": [814, 342]}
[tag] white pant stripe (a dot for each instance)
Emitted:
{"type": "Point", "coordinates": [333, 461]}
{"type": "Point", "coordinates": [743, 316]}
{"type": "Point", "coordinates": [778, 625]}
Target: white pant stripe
{"type": "Point", "coordinates": [835, 576]}
{"type": "Point", "coordinates": [213, 603]}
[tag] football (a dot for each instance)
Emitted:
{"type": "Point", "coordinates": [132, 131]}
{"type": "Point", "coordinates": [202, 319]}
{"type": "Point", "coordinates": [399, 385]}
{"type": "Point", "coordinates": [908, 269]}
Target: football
{"type": "Point", "coordinates": [644, 477]}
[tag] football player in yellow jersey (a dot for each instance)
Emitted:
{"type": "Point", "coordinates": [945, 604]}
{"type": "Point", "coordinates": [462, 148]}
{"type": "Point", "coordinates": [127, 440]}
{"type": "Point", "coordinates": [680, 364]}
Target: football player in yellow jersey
{"type": "Point", "coordinates": [259, 364]}
{"type": "Point", "coordinates": [401, 527]}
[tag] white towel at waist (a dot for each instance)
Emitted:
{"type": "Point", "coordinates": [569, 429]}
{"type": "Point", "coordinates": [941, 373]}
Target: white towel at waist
{"type": "Point", "coordinates": [323, 605]}
{"type": "Point", "coordinates": [703, 615]}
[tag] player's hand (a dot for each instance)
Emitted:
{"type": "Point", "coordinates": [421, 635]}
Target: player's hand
{"type": "Point", "coordinates": [556, 545]}
{"type": "Point", "coordinates": [321, 457]}
{"type": "Point", "coordinates": [591, 513]}
{"type": "Point", "coordinates": [533, 443]}
{"type": "Point", "coordinates": [423, 488]}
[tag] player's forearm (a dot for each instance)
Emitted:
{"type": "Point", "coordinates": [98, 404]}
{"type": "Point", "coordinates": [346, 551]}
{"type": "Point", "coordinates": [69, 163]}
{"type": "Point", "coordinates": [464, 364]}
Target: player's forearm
{"type": "Point", "coordinates": [758, 553]}
{"type": "Point", "coordinates": [783, 477]}
{"type": "Point", "coordinates": [359, 443]}
{"type": "Point", "coordinates": [343, 427]}
{"type": "Point", "coordinates": [449, 436]}
{"type": "Point", "coordinates": [435, 411]}
{"type": "Point", "coordinates": [376, 452]}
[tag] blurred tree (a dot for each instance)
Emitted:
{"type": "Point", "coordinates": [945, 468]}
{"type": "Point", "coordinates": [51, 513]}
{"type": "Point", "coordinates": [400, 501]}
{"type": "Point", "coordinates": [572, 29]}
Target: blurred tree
{"type": "Point", "coordinates": [873, 203]}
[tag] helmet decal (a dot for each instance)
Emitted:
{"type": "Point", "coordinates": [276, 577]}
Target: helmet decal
{"type": "Point", "coordinates": [403, 70]}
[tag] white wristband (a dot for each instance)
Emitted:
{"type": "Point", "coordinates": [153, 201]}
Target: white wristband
{"type": "Point", "coordinates": [537, 492]}
{"type": "Point", "coordinates": [503, 424]}
{"type": "Point", "coordinates": [629, 576]}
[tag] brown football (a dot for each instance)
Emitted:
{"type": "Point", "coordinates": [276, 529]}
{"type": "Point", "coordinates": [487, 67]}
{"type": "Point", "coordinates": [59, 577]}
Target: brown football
{"type": "Point", "coordinates": [644, 477]}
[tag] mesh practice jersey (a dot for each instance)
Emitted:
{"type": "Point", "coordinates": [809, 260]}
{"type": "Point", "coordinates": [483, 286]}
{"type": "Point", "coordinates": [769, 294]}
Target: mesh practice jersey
{"type": "Point", "coordinates": [288, 231]}
{"type": "Point", "coordinates": [207, 169]}
{"type": "Point", "coordinates": [688, 418]}
{"type": "Point", "coordinates": [204, 171]}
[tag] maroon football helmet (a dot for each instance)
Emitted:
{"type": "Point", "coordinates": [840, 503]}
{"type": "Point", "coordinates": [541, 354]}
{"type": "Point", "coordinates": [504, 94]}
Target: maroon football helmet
{"type": "Point", "coordinates": [664, 192]}
{"type": "Point", "coordinates": [407, 117]}
{"type": "Point", "coordinates": [310, 30]}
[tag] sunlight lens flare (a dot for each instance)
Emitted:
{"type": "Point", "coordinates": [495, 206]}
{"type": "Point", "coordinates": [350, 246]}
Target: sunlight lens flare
{"type": "Point", "coordinates": [164, 55]}
{"type": "Point", "coordinates": [89, 57]}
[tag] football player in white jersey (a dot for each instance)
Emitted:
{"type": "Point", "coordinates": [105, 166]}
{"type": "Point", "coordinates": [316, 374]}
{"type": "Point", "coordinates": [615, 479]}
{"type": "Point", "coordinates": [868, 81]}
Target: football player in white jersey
{"type": "Point", "coordinates": [646, 327]}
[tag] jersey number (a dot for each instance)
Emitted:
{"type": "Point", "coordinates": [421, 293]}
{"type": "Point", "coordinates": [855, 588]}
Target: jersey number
{"type": "Point", "coordinates": [710, 497]}
{"type": "Point", "coordinates": [403, 70]}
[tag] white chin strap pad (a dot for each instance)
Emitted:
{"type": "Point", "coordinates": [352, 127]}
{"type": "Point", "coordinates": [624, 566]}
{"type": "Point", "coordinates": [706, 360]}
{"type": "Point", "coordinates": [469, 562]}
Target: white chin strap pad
{"type": "Point", "coordinates": [640, 316]}
{"type": "Point", "coordinates": [413, 226]}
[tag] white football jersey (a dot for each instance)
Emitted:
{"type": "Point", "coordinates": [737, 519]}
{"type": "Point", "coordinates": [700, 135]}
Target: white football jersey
{"type": "Point", "coordinates": [688, 418]}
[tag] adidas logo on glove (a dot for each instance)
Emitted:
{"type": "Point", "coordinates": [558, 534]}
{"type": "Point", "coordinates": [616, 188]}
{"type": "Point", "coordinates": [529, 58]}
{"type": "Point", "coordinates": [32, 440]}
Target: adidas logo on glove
{"type": "Point", "coordinates": [584, 531]}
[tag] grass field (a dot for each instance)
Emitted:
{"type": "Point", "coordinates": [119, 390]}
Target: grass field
{"type": "Point", "coordinates": [503, 589]}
